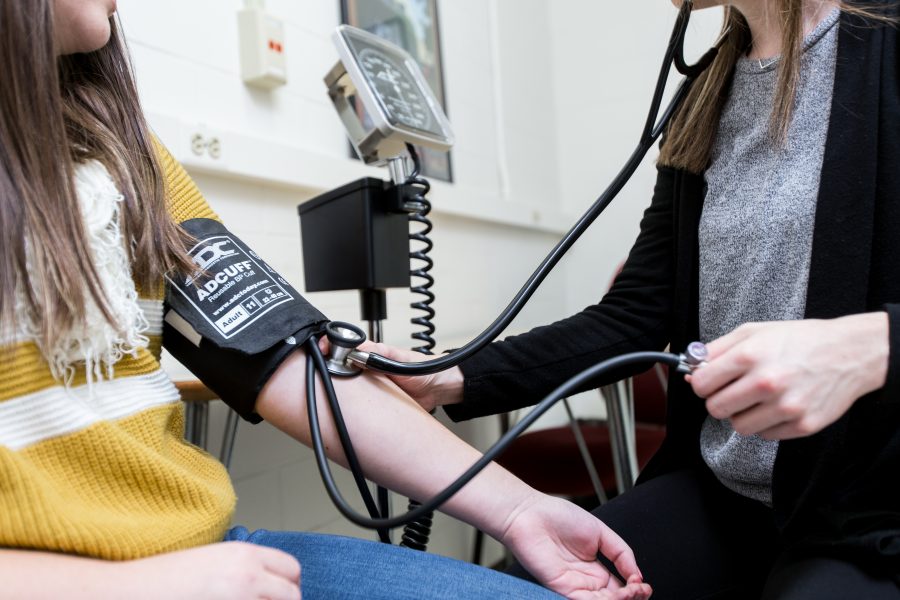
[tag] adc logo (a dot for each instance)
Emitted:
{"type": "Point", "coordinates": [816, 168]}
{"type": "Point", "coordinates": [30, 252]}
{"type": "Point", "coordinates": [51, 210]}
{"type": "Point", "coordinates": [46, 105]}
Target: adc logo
{"type": "Point", "coordinates": [208, 256]}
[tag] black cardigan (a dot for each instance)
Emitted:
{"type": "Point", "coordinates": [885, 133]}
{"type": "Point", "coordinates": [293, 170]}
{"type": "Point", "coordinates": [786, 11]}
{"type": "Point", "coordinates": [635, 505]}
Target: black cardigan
{"type": "Point", "coordinates": [840, 488]}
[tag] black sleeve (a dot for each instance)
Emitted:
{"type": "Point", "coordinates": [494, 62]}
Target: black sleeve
{"type": "Point", "coordinates": [891, 390]}
{"type": "Point", "coordinates": [634, 315]}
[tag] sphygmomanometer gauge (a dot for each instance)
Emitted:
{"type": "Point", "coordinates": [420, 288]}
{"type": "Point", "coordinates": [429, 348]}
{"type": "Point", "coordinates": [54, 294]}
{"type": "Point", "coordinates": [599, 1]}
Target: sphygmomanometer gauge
{"type": "Point", "coordinates": [395, 96]}
{"type": "Point", "coordinates": [396, 89]}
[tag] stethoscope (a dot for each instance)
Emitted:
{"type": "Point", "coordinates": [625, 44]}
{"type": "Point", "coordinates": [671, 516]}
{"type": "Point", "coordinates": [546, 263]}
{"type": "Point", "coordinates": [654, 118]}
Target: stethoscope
{"type": "Point", "coordinates": [345, 360]}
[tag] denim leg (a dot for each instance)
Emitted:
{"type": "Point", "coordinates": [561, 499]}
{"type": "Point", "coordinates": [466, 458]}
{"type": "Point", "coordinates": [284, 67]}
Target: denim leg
{"type": "Point", "coordinates": [342, 567]}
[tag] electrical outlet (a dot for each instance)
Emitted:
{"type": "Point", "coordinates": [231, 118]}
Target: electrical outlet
{"type": "Point", "coordinates": [198, 144]}
{"type": "Point", "coordinates": [214, 147]}
{"type": "Point", "coordinates": [206, 144]}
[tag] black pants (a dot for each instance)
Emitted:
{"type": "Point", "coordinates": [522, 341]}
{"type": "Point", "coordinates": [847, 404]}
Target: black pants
{"type": "Point", "coordinates": [695, 539]}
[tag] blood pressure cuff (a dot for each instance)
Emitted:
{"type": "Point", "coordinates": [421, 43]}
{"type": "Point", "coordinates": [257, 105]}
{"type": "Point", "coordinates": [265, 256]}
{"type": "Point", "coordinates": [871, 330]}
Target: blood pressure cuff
{"type": "Point", "coordinates": [234, 320]}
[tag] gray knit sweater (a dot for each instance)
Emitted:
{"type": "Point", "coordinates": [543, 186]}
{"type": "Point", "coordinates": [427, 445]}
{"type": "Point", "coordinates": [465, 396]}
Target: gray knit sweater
{"type": "Point", "coordinates": [757, 226]}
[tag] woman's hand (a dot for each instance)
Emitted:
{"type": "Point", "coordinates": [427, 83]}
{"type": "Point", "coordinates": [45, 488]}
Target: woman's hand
{"type": "Point", "coordinates": [558, 543]}
{"type": "Point", "coordinates": [430, 391]}
{"type": "Point", "coordinates": [792, 379]}
{"type": "Point", "coordinates": [226, 571]}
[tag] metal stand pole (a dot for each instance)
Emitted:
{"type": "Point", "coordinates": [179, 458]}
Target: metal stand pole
{"type": "Point", "coordinates": [619, 421]}
{"type": "Point", "coordinates": [373, 309]}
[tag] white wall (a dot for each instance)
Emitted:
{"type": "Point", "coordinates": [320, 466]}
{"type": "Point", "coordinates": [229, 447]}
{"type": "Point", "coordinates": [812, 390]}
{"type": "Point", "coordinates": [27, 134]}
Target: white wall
{"type": "Point", "coordinates": [606, 59]}
{"type": "Point", "coordinates": [546, 99]}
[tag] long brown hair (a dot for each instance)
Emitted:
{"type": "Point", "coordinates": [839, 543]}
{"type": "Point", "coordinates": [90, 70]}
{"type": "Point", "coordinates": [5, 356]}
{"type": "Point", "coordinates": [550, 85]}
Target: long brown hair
{"type": "Point", "coordinates": [55, 111]}
{"type": "Point", "coordinates": [692, 132]}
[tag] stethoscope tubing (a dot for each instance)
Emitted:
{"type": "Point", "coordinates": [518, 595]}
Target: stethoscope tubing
{"type": "Point", "coordinates": [316, 364]}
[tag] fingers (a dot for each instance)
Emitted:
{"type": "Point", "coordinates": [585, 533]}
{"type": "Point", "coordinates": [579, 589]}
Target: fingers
{"type": "Point", "coordinates": [585, 585]}
{"type": "Point", "coordinates": [632, 591]}
{"type": "Point", "coordinates": [789, 430]}
{"type": "Point", "coordinates": [282, 579]}
{"type": "Point", "coordinates": [398, 354]}
{"type": "Point", "coordinates": [378, 348]}
{"type": "Point", "coordinates": [753, 405]}
{"type": "Point", "coordinates": [374, 347]}
{"type": "Point", "coordinates": [382, 349]}
{"type": "Point", "coordinates": [273, 587]}
{"type": "Point", "coordinates": [741, 395]}
{"type": "Point", "coordinates": [639, 590]}
{"type": "Point", "coordinates": [728, 360]}
{"type": "Point", "coordinates": [730, 340]}
{"type": "Point", "coordinates": [615, 549]}
{"type": "Point", "coordinates": [280, 563]}
{"type": "Point", "coordinates": [734, 355]}
{"type": "Point", "coordinates": [759, 419]}
{"type": "Point", "coordinates": [720, 371]}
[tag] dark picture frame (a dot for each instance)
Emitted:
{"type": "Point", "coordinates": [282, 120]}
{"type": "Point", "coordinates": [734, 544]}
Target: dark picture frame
{"type": "Point", "coordinates": [412, 25]}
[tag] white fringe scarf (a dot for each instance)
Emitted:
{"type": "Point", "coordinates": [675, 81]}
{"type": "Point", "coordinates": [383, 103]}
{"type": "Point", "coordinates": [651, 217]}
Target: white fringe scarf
{"type": "Point", "coordinates": [96, 343]}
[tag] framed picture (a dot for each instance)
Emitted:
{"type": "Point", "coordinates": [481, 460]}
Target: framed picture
{"type": "Point", "coordinates": [412, 25]}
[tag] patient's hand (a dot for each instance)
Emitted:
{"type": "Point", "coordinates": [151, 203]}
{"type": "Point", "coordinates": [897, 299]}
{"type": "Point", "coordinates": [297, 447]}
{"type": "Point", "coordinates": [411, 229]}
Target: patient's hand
{"type": "Point", "coordinates": [558, 543]}
{"type": "Point", "coordinates": [224, 571]}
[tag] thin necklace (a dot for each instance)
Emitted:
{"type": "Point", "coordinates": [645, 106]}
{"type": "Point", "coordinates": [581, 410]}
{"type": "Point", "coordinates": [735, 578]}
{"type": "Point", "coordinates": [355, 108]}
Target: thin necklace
{"type": "Point", "coordinates": [768, 64]}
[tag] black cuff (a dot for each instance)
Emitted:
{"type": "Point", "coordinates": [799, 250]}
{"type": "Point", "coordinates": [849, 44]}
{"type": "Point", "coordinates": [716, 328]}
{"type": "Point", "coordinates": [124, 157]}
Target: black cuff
{"type": "Point", "coordinates": [235, 319]}
{"type": "Point", "coordinates": [235, 377]}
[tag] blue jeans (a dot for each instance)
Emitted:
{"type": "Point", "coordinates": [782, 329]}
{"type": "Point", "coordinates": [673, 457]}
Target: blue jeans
{"type": "Point", "coordinates": [342, 567]}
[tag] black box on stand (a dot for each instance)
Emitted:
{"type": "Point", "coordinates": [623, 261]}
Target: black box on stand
{"type": "Point", "coordinates": [352, 240]}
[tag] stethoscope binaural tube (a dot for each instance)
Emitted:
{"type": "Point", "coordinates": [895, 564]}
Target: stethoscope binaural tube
{"type": "Point", "coordinates": [652, 130]}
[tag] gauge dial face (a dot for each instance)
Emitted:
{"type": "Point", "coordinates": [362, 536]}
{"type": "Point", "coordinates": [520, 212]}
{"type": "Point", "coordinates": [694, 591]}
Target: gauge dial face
{"type": "Point", "coordinates": [397, 90]}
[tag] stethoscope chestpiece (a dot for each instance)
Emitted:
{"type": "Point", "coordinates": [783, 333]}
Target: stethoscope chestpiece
{"type": "Point", "coordinates": [344, 338]}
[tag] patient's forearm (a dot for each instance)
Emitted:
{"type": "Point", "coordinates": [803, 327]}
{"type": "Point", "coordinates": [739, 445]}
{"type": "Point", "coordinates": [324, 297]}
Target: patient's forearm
{"type": "Point", "coordinates": [227, 570]}
{"type": "Point", "coordinates": [399, 445]}
{"type": "Point", "coordinates": [30, 574]}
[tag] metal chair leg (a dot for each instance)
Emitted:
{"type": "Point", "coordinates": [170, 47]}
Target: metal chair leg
{"type": "Point", "coordinates": [627, 387]}
{"type": "Point", "coordinates": [477, 547]}
{"type": "Point", "coordinates": [196, 423]}
{"type": "Point", "coordinates": [201, 424]}
{"type": "Point", "coordinates": [228, 437]}
{"type": "Point", "coordinates": [189, 435]}
{"type": "Point", "coordinates": [617, 411]}
{"type": "Point", "coordinates": [585, 454]}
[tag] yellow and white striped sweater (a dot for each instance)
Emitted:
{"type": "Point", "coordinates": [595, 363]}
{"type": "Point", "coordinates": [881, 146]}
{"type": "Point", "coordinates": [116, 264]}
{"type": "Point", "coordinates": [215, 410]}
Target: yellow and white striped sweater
{"type": "Point", "coordinates": [103, 470]}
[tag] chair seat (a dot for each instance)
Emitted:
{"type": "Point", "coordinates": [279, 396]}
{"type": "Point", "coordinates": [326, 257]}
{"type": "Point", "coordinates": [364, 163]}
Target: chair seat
{"type": "Point", "coordinates": [549, 460]}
